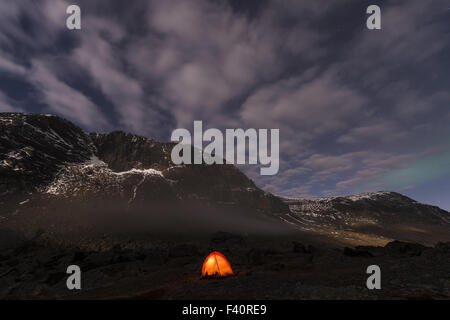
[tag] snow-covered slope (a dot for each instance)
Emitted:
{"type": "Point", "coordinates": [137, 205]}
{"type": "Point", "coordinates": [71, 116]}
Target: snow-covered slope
{"type": "Point", "coordinates": [383, 213]}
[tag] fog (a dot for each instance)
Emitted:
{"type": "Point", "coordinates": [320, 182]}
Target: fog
{"type": "Point", "coordinates": [113, 217]}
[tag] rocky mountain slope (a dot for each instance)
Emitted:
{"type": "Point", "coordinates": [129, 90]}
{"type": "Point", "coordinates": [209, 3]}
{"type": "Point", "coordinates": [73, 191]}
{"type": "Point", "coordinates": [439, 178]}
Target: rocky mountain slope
{"type": "Point", "coordinates": [386, 214]}
{"type": "Point", "coordinates": [33, 148]}
{"type": "Point", "coordinates": [48, 164]}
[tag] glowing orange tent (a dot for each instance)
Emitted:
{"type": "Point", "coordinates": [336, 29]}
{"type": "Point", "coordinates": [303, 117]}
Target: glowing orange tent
{"type": "Point", "coordinates": [216, 265]}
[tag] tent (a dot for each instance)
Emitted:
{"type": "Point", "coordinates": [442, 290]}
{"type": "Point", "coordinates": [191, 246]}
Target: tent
{"type": "Point", "coordinates": [216, 265]}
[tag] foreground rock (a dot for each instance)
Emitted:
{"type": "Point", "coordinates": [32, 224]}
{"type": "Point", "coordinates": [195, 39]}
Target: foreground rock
{"type": "Point", "coordinates": [265, 269]}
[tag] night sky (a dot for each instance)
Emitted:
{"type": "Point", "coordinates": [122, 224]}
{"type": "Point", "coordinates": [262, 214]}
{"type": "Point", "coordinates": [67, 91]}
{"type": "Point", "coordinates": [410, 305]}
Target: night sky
{"type": "Point", "coordinates": [358, 110]}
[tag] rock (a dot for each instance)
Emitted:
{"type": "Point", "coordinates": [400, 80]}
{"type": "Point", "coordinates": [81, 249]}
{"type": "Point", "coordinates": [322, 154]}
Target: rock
{"type": "Point", "coordinates": [125, 256]}
{"type": "Point", "coordinates": [443, 246]}
{"type": "Point", "coordinates": [55, 277]}
{"type": "Point", "coordinates": [184, 250]}
{"type": "Point", "coordinates": [357, 253]}
{"type": "Point", "coordinates": [277, 266]}
{"type": "Point", "coordinates": [256, 257]}
{"type": "Point", "coordinates": [156, 256]}
{"type": "Point", "coordinates": [333, 293]}
{"type": "Point", "coordinates": [124, 151]}
{"type": "Point", "coordinates": [301, 248]}
{"type": "Point", "coordinates": [97, 259]}
{"type": "Point", "coordinates": [33, 147]}
{"type": "Point", "coordinates": [10, 239]}
{"type": "Point", "coordinates": [38, 291]}
{"type": "Point", "coordinates": [26, 246]}
{"type": "Point", "coordinates": [404, 248]}
{"type": "Point", "coordinates": [227, 239]}
{"type": "Point", "coordinates": [374, 251]}
{"type": "Point", "coordinates": [79, 256]}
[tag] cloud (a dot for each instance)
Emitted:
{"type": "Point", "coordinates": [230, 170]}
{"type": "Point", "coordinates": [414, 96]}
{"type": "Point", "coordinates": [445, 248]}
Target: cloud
{"type": "Point", "coordinates": [64, 100]}
{"type": "Point", "coordinates": [411, 104]}
{"type": "Point", "coordinates": [411, 34]}
{"type": "Point", "coordinates": [351, 104]}
{"type": "Point", "coordinates": [383, 131]}
{"type": "Point", "coordinates": [45, 19]}
{"type": "Point", "coordinates": [11, 67]}
{"type": "Point", "coordinates": [316, 107]}
{"type": "Point", "coordinates": [368, 171]}
{"type": "Point", "coordinates": [98, 57]}
{"type": "Point", "coordinates": [204, 56]}
{"type": "Point", "coordinates": [6, 104]}
{"type": "Point", "coordinates": [393, 109]}
{"type": "Point", "coordinates": [326, 164]}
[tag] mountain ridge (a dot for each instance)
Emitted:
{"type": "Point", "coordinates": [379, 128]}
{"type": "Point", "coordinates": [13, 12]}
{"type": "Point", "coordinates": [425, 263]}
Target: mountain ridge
{"type": "Point", "coordinates": [48, 163]}
{"type": "Point", "coordinates": [390, 215]}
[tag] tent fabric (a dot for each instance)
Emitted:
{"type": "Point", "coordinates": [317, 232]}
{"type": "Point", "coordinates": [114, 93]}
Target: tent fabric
{"type": "Point", "coordinates": [216, 265]}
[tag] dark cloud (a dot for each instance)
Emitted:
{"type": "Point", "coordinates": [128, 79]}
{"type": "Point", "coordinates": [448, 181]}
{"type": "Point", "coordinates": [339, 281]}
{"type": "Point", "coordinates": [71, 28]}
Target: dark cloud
{"type": "Point", "coordinates": [352, 105]}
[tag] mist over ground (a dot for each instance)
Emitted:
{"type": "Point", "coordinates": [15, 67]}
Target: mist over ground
{"type": "Point", "coordinates": [100, 217]}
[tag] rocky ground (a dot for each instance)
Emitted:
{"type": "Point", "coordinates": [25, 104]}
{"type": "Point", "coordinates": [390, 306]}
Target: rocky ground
{"type": "Point", "coordinates": [144, 267]}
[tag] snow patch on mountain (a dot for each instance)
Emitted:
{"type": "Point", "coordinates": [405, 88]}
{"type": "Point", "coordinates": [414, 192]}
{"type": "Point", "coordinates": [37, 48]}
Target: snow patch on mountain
{"type": "Point", "coordinates": [368, 195]}
{"type": "Point", "coordinates": [96, 175]}
{"type": "Point", "coordinates": [94, 161]}
{"type": "Point", "coordinates": [144, 172]}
